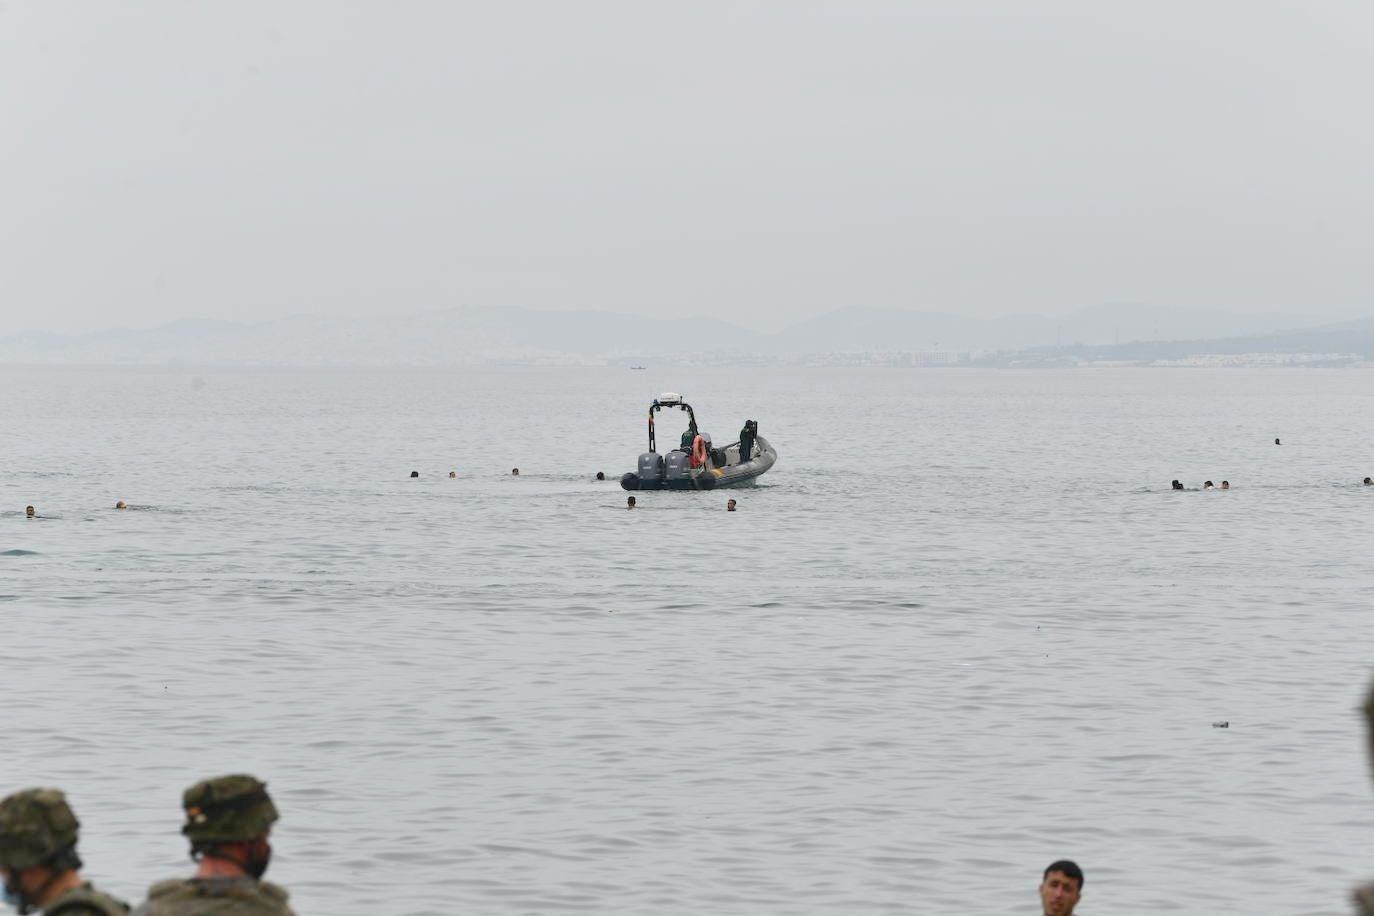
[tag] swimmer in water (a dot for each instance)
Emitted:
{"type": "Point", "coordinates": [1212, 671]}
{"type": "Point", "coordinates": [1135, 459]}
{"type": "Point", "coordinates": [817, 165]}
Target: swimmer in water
{"type": "Point", "coordinates": [629, 502]}
{"type": "Point", "coordinates": [121, 505]}
{"type": "Point", "coordinates": [600, 475]}
{"type": "Point", "coordinates": [1176, 485]}
{"type": "Point", "coordinates": [730, 506]}
{"type": "Point", "coordinates": [515, 472]}
{"type": "Point", "coordinates": [1207, 485]}
{"type": "Point", "coordinates": [414, 473]}
{"type": "Point", "coordinates": [1369, 482]}
{"type": "Point", "coordinates": [29, 512]}
{"type": "Point", "coordinates": [1277, 442]}
{"type": "Point", "coordinates": [1226, 484]}
{"type": "Point", "coordinates": [452, 475]}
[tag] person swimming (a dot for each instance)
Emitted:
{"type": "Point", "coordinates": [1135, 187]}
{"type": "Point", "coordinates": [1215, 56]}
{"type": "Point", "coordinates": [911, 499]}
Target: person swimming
{"type": "Point", "coordinates": [515, 472]}
{"type": "Point", "coordinates": [600, 475]}
{"type": "Point", "coordinates": [414, 473]}
{"type": "Point", "coordinates": [1176, 485]}
{"type": "Point", "coordinates": [1208, 485]}
{"type": "Point", "coordinates": [1277, 442]}
{"type": "Point", "coordinates": [452, 475]}
{"type": "Point", "coordinates": [121, 505]}
{"type": "Point", "coordinates": [629, 502]}
{"type": "Point", "coordinates": [29, 512]}
{"type": "Point", "coordinates": [730, 506]}
{"type": "Point", "coordinates": [1226, 484]}
{"type": "Point", "coordinates": [1369, 482]}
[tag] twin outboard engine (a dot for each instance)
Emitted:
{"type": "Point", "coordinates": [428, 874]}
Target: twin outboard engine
{"type": "Point", "coordinates": [678, 466]}
{"type": "Point", "coordinates": [651, 467]}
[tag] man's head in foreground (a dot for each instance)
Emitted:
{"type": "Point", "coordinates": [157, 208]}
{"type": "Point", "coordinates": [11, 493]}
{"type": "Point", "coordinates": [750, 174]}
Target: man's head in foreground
{"type": "Point", "coordinates": [1061, 888]}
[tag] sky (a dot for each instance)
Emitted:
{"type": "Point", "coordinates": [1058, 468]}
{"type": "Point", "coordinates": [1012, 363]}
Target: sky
{"type": "Point", "coordinates": [756, 162]}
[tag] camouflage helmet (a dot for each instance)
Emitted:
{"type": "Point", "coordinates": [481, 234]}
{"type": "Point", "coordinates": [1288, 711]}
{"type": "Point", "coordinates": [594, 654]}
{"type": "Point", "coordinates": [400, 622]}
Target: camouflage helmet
{"type": "Point", "coordinates": [36, 827]}
{"type": "Point", "coordinates": [227, 809]}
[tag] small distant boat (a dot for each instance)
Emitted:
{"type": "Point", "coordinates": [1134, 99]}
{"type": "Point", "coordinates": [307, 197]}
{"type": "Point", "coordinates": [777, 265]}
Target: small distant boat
{"type": "Point", "coordinates": [636, 367]}
{"type": "Point", "coordinates": [703, 467]}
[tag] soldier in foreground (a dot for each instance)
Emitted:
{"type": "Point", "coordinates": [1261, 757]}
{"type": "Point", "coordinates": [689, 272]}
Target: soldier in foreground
{"type": "Point", "coordinates": [38, 860]}
{"type": "Point", "coordinates": [227, 821]}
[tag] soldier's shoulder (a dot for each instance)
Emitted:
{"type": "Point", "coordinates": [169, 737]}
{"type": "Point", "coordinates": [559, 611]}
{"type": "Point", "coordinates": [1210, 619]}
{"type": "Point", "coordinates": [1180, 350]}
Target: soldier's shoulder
{"type": "Point", "coordinates": [163, 888]}
{"type": "Point", "coordinates": [274, 891]}
{"type": "Point", "coordinates": [86, 901]}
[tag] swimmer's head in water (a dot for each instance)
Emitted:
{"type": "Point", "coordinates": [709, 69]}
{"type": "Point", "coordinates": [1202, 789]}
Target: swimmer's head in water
{"type": "Point", "coordinates": [1226, 484]}
{"type": "Point", "coordinates": [1208, 485]}
{"type": "Point", "coordinates": [452, 475]}
{"type": "Point", "coordinates": [730, 506]}
{"type": "Point", "coordinates": [1369, 482]}
{"type": "Point", "coordinates": [600, 475]}
{"type": "Point", "coordinates": [28, 510]}
{"type": "Point", "coordinates": [1176, 485]}
{"type": "Point", "coordinates": [414, 473]}
{"type": "Point", "coordinates": [515, 472]}
{"type": "Point", "coordinates": [1276, 442]}
{"type": "Point", "coordinates": [121, 505]}
{"type": "Point", "coordinates": [629, 502]}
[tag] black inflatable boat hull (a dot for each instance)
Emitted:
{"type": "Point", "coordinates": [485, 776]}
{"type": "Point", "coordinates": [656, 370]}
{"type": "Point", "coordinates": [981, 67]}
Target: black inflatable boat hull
{"type": "Point", "coordinates": [735, 475]}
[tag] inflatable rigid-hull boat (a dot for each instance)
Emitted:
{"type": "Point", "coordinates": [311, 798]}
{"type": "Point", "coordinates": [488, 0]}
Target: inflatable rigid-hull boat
{"type": "Point", "coordinates": [702, 467]}
{"type": "Point", "coordinates": [661, 471]}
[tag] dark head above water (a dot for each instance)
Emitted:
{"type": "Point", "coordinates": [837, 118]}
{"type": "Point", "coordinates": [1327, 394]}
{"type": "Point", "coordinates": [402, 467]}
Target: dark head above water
{"type": "Point", "coordinates": [414, 473]}
{"type": "Point", "coordinates": [515, 472]}
{"type": "Point", "coordinates": [600, 475]}
{"type": "Point", "coordinates": [29, 512]}
{"type": "Point", "coordinates": [730, 506]}
{"type": "Point", "coordinates": [121, 505]}
{"type": "Point", "coordinates": [1277, 442]}
{"type": "Point", "coordinates": [452, 475]}
{"type": "Point", "coordinates": [1226, 484]}
{"type": "Point", "coordinates": [1176, 485]}
{"type": "Point", "coordinates": [1060, 888]}
{"type": "Point", "coordinates": [629, 502]}
{"type": "Point", "coordinates": [1369, 482]}
{"type": "Point", "coordinates": [1208, 485]}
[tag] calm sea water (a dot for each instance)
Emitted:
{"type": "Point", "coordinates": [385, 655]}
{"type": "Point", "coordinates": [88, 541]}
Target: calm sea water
{"type": "Point", "coordinates": [963, 628]}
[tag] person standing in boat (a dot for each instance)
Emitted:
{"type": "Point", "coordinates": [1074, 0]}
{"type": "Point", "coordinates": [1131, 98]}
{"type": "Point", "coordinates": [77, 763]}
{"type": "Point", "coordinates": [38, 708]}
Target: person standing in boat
{"type": "Point", "coordinates": [746, 439]}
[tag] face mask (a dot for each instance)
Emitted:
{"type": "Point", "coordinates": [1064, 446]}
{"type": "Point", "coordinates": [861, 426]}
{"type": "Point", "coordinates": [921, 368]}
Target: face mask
{"type": "Point", "coordinates": [14, 899]}
{"type": "Point", "coordinates": [257, 866]}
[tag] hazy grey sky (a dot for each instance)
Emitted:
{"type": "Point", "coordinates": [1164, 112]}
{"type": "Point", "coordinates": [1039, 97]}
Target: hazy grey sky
{"type": "Point", "coordinates": [761, 161]}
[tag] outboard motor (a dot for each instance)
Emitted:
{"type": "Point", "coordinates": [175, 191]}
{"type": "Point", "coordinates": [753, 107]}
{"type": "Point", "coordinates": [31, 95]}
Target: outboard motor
{"type": "Point", "coordinates": [651, 468]}
{"type": "Point", "coordinates": [677, 466]}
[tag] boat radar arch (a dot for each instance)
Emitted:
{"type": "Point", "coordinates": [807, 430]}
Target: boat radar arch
{"type": "Point", "coordinates": [670, 399]}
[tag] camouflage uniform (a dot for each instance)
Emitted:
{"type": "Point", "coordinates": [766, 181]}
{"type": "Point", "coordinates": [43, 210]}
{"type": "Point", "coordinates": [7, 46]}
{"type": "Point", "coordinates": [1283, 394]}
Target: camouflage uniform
{"type": "Point", "coordinates": [242, 896]}
{"type": "Point", "coordinates": [86, 901]}
{"type": "Point", "coordinates": [39, 830]}
{"type": "Point", "coordinates": [229, 809]}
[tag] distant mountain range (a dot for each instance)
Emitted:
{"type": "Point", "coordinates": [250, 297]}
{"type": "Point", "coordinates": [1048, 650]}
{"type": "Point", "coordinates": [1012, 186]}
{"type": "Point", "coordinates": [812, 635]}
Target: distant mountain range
{"type": "Point", "coordinates": [485, 335]}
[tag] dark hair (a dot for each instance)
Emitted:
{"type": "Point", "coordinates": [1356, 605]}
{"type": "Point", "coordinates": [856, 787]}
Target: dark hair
{"type": "Point", "coordinates": [600, 475]}
{"type": "Point", "coordinates": [1067, 869]}
{"type": "Point", "coordinates": [414, 473]}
